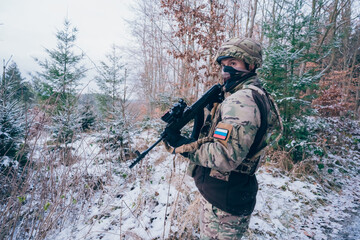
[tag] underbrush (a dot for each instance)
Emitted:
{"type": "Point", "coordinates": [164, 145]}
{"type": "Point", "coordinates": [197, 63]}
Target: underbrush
{"type": "Point", "coordinates": [50, 189]}
{"type": "Point", "coordinates": [334, 157]}
{"type": "Point", "coordinates": [85, 192]}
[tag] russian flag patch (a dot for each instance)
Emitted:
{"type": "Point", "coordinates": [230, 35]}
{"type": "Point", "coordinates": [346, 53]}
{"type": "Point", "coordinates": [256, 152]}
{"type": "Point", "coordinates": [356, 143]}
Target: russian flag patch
{"type": "Point", "coordinates": [221, 133]}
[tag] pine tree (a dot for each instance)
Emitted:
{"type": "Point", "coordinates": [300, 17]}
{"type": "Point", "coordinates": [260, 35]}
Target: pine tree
{"type": "Point", "coordinates": [111, 80]}
{"type": "Point", "coordinates": [64, 127]}
{"type": "Point", "coordinates": [116, 137]}
{"type": "Point", "coordinates": [56, 84]}
{"type": "Point", "coordinates": [12, 123]}
{"type": "Point", "coordinates": [62, 71]}
{"type": "Point", "coordinates": [289, 70]}
{"type": "Point", "coordinates": [87, 118]}
{"type": "Point", "coordinates": [21, 89]}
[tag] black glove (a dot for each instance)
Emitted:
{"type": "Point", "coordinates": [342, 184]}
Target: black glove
{"type": "Point", "coordinates": [175, 139]}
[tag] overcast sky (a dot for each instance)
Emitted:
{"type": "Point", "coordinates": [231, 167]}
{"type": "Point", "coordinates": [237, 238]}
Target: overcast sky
{"type": "Point", "coordinates": [29, 26]}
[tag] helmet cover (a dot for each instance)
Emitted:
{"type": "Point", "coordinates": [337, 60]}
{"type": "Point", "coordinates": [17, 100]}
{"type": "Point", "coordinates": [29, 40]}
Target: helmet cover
{"type": "Point", "coordinates": [245, 49]}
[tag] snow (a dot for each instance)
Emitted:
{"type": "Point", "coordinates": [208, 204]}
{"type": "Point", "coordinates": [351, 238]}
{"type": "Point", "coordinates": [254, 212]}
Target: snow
{"type": "Point", "coordinates": [157, 200]}
{"type": "Point", "coordinates": [287, 208]}
{"type": "Point", "coordinates": [6, 161]}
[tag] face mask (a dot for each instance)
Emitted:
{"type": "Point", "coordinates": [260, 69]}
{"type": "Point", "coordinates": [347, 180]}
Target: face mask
{"type": "Point", "coordinates": [232, 74]}
{"type": "Point", "coordinates": [233, 77]}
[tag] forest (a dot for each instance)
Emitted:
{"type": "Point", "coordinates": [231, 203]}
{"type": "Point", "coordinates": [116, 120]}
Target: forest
{"type": "Point", "coordinates": [64, 154]}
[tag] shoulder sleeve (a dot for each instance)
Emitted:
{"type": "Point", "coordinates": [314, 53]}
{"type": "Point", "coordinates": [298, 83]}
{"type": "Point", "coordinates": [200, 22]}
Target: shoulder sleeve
{"type": "Point", "coordinates": [240, 113]}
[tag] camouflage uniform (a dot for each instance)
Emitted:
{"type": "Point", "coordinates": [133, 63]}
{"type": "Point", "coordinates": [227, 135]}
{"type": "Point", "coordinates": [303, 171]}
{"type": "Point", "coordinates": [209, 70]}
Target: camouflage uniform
{"type": "Point", "coordinates": [240, 114]}
{"type": "Point", "coordinates": [217, 224]}
{"type": "Point", "coordinates": [220, 163]}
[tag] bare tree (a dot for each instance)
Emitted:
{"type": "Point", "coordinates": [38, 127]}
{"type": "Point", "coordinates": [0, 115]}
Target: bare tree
{"type": "Point", "coordinates": [252, 19]}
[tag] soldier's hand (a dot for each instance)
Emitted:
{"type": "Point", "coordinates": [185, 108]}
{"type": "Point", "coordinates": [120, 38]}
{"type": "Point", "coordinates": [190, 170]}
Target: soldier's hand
{"type": "Point", "coordinates": [175, 139]}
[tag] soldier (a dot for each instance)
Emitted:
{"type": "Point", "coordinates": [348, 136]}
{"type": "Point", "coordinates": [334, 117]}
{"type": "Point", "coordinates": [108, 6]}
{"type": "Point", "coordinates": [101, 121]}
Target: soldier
{"type": "Point", "coordinates": [224, 159]}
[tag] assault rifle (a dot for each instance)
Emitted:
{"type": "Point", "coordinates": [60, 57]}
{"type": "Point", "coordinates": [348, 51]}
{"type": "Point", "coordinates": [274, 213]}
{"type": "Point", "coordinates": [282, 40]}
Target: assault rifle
{"type": "Point", "coordinates": [180, 115]}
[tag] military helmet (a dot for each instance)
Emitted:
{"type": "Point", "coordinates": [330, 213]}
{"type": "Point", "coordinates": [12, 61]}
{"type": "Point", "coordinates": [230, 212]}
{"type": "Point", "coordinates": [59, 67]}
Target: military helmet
{"type": "Point", "coordinates": [245, 49]}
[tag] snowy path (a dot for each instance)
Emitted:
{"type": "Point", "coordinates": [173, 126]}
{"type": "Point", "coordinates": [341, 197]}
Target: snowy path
{"type": "Point", "coordinates": [351, 227]}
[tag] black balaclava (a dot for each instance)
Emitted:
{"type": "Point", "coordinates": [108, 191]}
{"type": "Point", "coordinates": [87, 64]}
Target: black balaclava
{"type": "Point", "coordinates": [233, 77]}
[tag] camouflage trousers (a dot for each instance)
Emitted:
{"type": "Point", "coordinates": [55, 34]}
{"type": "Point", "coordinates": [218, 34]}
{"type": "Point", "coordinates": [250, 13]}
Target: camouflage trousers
{"type": "Point", "coordinates": [217, 224]}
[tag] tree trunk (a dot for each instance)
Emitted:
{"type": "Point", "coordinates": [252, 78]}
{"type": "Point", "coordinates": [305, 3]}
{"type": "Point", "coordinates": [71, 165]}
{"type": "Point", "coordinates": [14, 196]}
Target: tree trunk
{"type": "Point", "coordinates": [346, 16]}
{"type": "Point", "coordinates": [248, 19]}
{"type": "Point", "coordinates": [331, 32]}
{"type": "Point", "coordinates": [357, 82]}
{"type": "Point", "coordinates": [253, 14]}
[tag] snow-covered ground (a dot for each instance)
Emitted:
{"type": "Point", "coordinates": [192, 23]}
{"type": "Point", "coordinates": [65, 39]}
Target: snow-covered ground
{"type": "Point", "coordinates": [291, 208]}
{"type": "Point", "coordinates": [351, 228]}
{"type": "Point", "coordinates": [157, 200]}
{"type": "Point", "coordinates": [93, 195]}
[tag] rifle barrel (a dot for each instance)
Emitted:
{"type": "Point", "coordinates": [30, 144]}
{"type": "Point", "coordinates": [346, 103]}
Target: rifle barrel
{"type": "Point", "coordinates": [143, 154]}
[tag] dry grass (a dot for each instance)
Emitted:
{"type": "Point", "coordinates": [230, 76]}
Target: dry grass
{"type": "Point", "coordinates": [184, 211]}
{"type": "Point", "coordinates": [283, 161]}
{"type": "Point", "coordinates": [50, 189]}
{"type": "Point", "coordinates": [305, 168]}
{"type": "Point", "coordinates": [280, 159]}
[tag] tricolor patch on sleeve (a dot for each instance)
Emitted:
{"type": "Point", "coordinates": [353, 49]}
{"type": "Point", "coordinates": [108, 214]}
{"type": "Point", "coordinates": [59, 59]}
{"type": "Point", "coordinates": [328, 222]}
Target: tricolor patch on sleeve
{"type": "Point", "coordinates": [221, 133]}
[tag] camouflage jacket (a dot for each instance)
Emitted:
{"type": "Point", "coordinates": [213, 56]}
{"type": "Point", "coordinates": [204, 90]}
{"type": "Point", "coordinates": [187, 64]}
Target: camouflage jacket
{"type": "Point", "coordinates": [237, 119]}
{"type": "Point", "coordinates": [215, 162]}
